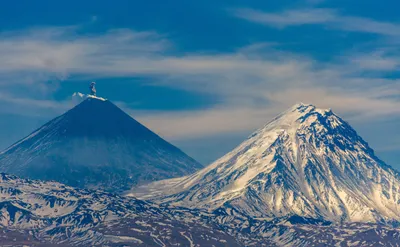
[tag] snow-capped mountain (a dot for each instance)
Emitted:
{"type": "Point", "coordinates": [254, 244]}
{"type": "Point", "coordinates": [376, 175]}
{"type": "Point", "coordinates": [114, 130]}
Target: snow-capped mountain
{"type": "Point", "coordinates": [96, 145]}
{"type": "Point", "coordinates": [306, 161]}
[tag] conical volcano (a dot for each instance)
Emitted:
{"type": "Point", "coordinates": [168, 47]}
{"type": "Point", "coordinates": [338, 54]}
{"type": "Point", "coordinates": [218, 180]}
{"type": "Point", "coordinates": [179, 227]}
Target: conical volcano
{"type": "Point", "coordinates": [96, 145]}
{"type": "Point", "coordinates": [307, 162]}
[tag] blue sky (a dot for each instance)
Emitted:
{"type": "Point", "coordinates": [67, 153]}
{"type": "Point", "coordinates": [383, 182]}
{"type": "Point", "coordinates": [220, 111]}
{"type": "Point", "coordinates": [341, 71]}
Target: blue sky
{"type": "Point", "coordinates": [204, 74]}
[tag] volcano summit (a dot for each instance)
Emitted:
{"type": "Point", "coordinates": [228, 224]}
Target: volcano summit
{"type": "Point", "coordinates": [307, 162]}
{"type": "Point", "coordinates": [96, 145]}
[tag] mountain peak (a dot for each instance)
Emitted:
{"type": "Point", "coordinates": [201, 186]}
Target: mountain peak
{"type": "Point", "coordinates": [306, 161]}
{"type": "Point", "coordinates": [96, 98]}
{"type": "Point", "coordinates": [96, 144]}
{"type": "Point", "coordinates": [78, 97]}
{"type": "Point", "coordinates": [305, 108]}
{"type": "Point", "coordinates": [302, 106]}
{"type": "Point", "coordinates": [300, 116]}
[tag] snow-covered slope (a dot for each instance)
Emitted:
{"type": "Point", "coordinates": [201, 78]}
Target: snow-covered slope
{"type": "Point", "coordinates": [306, 162]}
{"type": "Point", "coordinates": [35, 213]}
{"type": "Point", "coordinates": [96, 145]}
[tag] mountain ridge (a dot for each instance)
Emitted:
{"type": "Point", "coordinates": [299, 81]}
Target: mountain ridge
{"type": "Point", "coordinates": [39, 213]}
{"type": "Point", "coordinates": [306, 161]}
{"type": "Point", "coordinates": [95, 144]}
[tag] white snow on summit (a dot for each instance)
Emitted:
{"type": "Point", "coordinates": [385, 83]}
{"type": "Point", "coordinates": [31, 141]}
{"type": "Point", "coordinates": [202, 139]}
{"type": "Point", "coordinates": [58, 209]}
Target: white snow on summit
{"type": "Point", "coordinates": [78, 97]}
{"type": "Point", "coordinates": [306, 161]}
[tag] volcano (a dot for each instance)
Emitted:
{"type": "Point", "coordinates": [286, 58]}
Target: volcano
{"type": "Point", "coordinates": [96, 145]}
{"type": "Point", "coordinates": [307, 162]}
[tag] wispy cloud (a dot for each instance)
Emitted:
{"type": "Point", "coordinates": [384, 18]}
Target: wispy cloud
{"type": "Point", "coordinates": [252, 83]}
{"type": "Point", "coordinates": [379, 60]}
{"type": "Point", "coordinates": [353, 106]}
{"type": "Point", "coordinates": [61, 51]}
{"type": "Point", "coordinates": [287, 18]}
{"type": "Point", "coordinates": [318, 16]}
{"type": "Point", "coordinates": [366, 25]}
{"type": "Point", "coordinates": [16, 105]}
